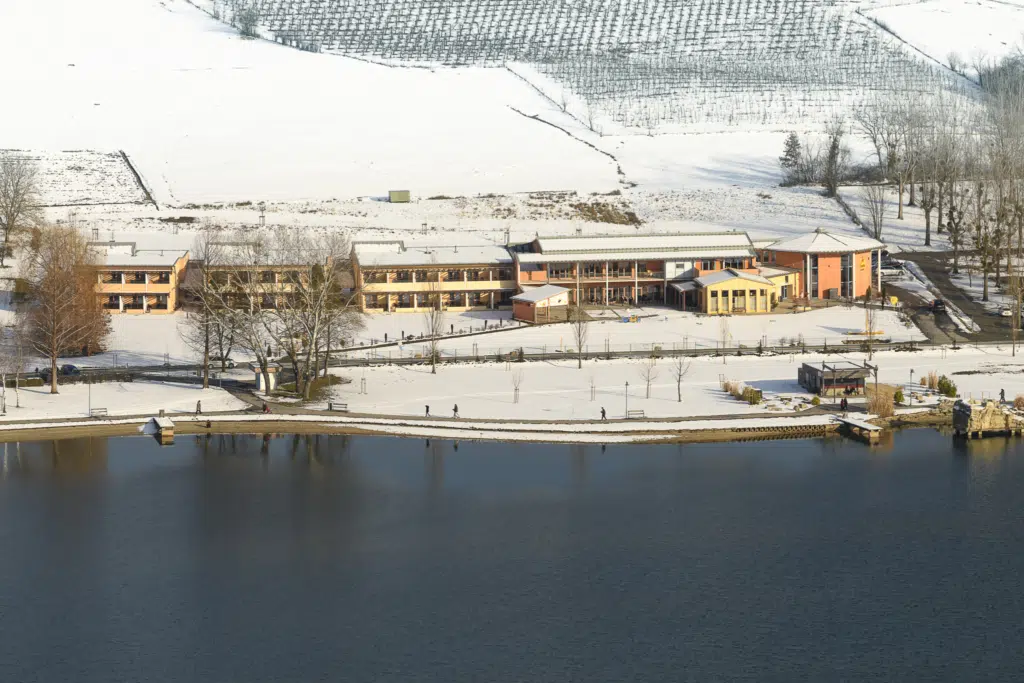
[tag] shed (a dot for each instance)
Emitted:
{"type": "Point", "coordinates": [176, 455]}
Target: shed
{"type": "Point", "coordinates": [832, 378]}
{"type": "Point", "coordinates": [546, 303]}
{"type": "Point", "coordinates": [399, 196]}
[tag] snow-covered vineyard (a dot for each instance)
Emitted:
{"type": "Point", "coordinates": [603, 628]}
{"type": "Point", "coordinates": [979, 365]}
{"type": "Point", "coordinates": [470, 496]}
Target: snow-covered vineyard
{"type": "Point", "coordinates": [638, 66]}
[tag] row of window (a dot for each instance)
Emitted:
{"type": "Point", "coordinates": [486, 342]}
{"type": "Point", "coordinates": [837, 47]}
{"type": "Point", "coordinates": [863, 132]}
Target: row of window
{"type": "Point", "coordinates": [135, 278]}
{"type": "Point", "coordinates": [453, 299]}
{"type": "Point", "coordinates": [452, 275]}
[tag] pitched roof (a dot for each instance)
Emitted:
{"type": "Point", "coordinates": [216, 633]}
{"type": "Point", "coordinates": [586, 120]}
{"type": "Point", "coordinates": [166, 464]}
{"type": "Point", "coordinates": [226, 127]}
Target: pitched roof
{"type": "Point", "coordinates": [821, 242]}
{"type": "Point", "coordinates": [671, 242]}
{"type": "Point", "coordinates": [540, 293]}
{"type": "Point", "coordinates": [370, 254]}
{"type": "Point", "coordinates": [720, 276]}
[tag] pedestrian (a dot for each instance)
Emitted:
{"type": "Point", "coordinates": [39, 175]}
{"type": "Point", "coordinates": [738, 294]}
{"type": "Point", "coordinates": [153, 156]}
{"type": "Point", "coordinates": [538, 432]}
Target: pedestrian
{"type": "Point", "coordinates": [428, 410]}
{"type": "Point", "coordinates": [455, 410]}
{"type": "Point", "coordinates": [604, 415]}
{"type": "Point", "coordinates": [453, 328]}
{"type": "Point", "coordinates": [199, 408]}
{"type": "Point", "coordinates": [1002, 395]}
{"type": "Point", "coordinates": [385, 337]}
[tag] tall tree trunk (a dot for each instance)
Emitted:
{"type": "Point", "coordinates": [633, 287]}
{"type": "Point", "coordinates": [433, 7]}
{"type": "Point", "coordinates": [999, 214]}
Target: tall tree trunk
{"type": "Point", "coordinates": [53, 374]}
{"type": "Point", "coordinates": [899, 210]}
{"type": "Point", "coordinates": [928, 227]}
{"type": "Point", "coordinates": [206, 351]}
{"type": "Point", "coordinates": [913, 195]}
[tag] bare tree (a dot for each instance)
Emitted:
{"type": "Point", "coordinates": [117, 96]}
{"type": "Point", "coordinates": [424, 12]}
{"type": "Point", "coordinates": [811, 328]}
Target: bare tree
{"type": "Point", "coordinates": [874, 198]}
{"type": "Point", "coordinates": [246, 20]}
{"type": "Point", "coordinates": [433, 319]}
{"type": "Point", "coordinates": [12, 362]}
{"type": "Point", "coordinates": [680, 368]}
{"type": "Point", "coordinates": [517, 381]}
{"type": "Point", "coordinates": [649, 372]}
{"type": "Point", "coordinates": [580, 323]}
{"type": "Point", "coordinates": [200, 327]}
{"type": "Point", "coordinates": [65, 315]}
{"type": "Point", "coordinates": [19, 198]}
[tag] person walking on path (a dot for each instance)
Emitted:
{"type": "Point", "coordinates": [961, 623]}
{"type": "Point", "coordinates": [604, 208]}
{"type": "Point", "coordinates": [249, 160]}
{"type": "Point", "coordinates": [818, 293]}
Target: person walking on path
{"type": "Point", "coordinates": [604, 415]}
{"type": "Point", "coordinates": [199, 408]}
{"type": "Point", "coordinates": [1002, 395]}
{"type": "Point", "coordinates": [455, 411]}
{"type": "Point", "coordinates": [428, 410]}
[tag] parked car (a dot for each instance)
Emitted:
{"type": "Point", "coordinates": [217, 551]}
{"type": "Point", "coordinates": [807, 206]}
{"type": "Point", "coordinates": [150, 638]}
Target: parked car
{"type": "Point", "coordinates": [892, 272]}
{"type": "Point", "coordinates": [938, 306]}
{"type": "Point", "coordinates": [228, 362]}
{"type": "Point", "coordinates": [62, 371]}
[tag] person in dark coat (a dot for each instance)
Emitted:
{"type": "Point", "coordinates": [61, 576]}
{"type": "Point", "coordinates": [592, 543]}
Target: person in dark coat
{"type": "Point", "coordinates": [455, 410]}
{"type": "Point", "coordinates": [604, 415]}
{"type": "Point", "coordinates": [199, 408]}
{"type": "Point", "coordinates": [428, 410]}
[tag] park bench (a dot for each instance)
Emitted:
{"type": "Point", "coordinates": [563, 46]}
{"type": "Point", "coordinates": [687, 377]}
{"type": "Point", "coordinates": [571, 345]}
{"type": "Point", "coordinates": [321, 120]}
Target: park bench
{"type": "Point", "coordinates": [634, 414]}
{"type": "Point", "coordinates": [337, 407]}
{"type": "Point", "coordinates": [98, 412]}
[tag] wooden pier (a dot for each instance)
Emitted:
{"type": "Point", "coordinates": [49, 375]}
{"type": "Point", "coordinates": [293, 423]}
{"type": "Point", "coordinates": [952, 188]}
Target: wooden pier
{"type": "Point", "coordinates": [164, 430]}
{"type": "Point", "coordinates": [861, 430]}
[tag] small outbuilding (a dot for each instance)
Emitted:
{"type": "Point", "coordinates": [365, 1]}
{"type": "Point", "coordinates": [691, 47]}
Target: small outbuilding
{"type": "Point", "coordinates": [399, 196]}
{"type": "Point", "coordinates": [842, 378]}
{"type": "Point", "coordinates": [548, 303]}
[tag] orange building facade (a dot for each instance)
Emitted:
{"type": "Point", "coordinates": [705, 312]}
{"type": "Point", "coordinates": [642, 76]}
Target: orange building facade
{"type": "Point", "coordinates": [832, 266]}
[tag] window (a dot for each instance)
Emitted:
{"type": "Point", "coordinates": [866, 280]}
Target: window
{"type": "Point", "coordinates": [846, 275]}
{"type": "Point", "coordinates": [421, 276]}
{"type": "Point", "coordinates": [713, 303]}
{"type": "Point", "coordinates": [453, 275]}
{"type": "Point", "coordinates": [268, 277]}
{"type": "Point", "coordinates": [707, 264]}
{"type": "Point", "coordinates": [559, 272]}
{"type": "Point", "coordinates": [814, 277]}
{"type": "Point", "coordinates": [592, 270]}
{"type": "Point", "coordinates": [734, 263]}
{"type": "Point", "coordinates": [403, 276]}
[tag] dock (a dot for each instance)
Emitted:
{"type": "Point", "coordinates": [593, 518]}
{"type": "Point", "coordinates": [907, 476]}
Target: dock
{"type": "Point", "coordinates": [164, 430]}
{"type": "Point", "coordinates": [859, 429]}
{"type": "Point", "coordinates": [971, 420]}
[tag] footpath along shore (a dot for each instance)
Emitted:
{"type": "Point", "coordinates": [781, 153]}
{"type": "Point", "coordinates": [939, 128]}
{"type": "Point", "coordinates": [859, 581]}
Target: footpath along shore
{"type": "Point", "coordinates": [287, 419]}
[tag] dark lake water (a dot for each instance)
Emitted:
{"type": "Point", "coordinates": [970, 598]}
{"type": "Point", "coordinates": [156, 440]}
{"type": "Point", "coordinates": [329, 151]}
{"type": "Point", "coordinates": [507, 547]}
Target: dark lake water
{"type": "Point", "coordinates": [234, 558]}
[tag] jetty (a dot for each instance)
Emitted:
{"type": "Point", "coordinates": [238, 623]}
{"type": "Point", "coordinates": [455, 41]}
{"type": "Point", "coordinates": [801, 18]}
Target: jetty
{"type": "Point", "coordinates": [859, 429]}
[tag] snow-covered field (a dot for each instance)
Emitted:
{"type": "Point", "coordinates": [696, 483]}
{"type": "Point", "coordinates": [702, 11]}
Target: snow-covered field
{"type": "Point", "coordinates": [208, 116]}
{"type": "Point", "coordinates": [967, 30]}
{"type": "Point", "coordinates": [559, 391]}
{"type": "Point", "coordinates": [119, 398]}
{"type": "Point", "coordinates": [68, 179]}
{"type": "Point", "coordinates": [667, 328]}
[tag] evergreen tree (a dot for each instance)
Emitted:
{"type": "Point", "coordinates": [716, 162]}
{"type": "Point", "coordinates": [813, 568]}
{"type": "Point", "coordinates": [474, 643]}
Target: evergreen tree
{"type": "Point", "coordinates": [790, 159]}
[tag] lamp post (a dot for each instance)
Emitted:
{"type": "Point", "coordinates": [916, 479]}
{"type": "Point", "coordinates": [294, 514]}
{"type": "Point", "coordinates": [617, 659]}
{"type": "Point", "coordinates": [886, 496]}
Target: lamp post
{"type": "Point", "coordinates": [627, 400]}
{"type": "Point", "coordinates": [911, 377]}
{"type": "Point", "coordinates": [89, 385]}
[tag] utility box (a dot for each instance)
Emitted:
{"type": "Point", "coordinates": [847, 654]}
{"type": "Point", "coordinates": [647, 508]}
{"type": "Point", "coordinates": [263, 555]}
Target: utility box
{"type": "Point", "coordinates": [399, 196]}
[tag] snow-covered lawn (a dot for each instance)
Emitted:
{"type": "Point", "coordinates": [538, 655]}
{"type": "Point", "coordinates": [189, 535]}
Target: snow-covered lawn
{"type": "Point", "coordinates": [906, 235]}
{"type": "Point", "coordinates": [667, 328]}
{"type": "Point", "coordinates": [119, 398]}
{"type": "Point", "coordinates": [971, 30]}
{"type": "Point", "coordinates": [559, 391]}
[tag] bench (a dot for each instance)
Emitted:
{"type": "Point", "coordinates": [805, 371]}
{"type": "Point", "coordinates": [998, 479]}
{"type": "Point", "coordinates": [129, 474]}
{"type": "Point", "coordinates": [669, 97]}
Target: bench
{"type": "Point", "coordinates": [98, 412]}
{"type": "Point", "coordinates": [337, 407]}
{"type": "Point", "coordinates": [634, 414]}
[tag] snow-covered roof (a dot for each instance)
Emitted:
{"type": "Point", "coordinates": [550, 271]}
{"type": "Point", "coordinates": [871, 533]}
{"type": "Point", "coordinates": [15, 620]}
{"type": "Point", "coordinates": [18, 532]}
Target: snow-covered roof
{"type": "Point", "coordinates": [687, 286]}
{"type": "Point", "coordinates": [659, 255]}
{"type": "Point", "coordinates": [378, 254]}
{"type": "Point", "coordinates": [121, 255]}
{"type": "Point", "coordinates": [821, 242]}
{"type": "Point", "coordinates": [775, 271]}
{"type": "Point", "coordinates": [540, 293]}
{"type": "Point", "coordinates": [664, 244]}
{"type": "Point", "coordinates": [720, 276]}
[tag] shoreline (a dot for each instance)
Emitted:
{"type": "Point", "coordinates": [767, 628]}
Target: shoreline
{"type": "Point", "coordinates": [693, 431]}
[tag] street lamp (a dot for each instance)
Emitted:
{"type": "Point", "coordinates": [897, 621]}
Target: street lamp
{"type": "Point", "coordinates": [911, 377]}
{"type": "Point", "coordinates": [627, 400]}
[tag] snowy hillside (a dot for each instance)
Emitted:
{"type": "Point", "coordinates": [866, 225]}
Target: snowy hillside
{"type": "Point", "coordinates": [964, 31]}
{"type": "Point", "coordinates": [207, 116]}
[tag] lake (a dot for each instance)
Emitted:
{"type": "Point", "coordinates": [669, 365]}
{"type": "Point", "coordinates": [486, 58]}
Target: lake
{"type": "Point", "coordinates": [293, 558]}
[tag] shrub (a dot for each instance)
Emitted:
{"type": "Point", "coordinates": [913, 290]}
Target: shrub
{"type": "Point", "coordinates": [1018, 402]}
{"type": "Point", "coordinates": [880, 404]}
{"type": "Point", "coordinates": [815, 401]}
{"type": "Point", "coordinates": [946, 387]}
{"type": "Point", "coordinates": [752, 395]}
{"type": "Point", "coordinates": [898, 396]}
{"type": "Point", "coordinates": [933, 381]}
